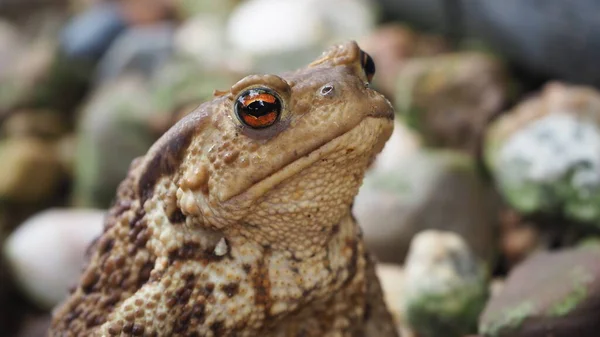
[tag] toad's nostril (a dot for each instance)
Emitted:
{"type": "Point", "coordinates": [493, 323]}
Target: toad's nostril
{"type": "Point", "coordinates": [367, 64]}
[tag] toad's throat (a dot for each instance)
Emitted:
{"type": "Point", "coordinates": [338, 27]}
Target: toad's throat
{"type": "Point", "coordinates": [319, 152]}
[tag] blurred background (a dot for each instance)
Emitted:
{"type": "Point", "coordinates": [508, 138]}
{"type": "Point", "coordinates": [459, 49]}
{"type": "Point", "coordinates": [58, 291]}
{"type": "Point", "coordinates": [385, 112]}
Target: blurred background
{"type": "Point", "coordinates": [484, 207]}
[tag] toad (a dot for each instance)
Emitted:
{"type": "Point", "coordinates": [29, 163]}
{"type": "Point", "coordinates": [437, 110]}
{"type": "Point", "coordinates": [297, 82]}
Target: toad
{"type": "Point", "coordinates": [237, 221]}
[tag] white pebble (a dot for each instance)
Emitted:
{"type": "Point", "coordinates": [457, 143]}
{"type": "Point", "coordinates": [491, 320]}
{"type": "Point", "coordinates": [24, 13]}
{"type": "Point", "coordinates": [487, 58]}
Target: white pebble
{"type": "Point", "coordinates": [46, 252]}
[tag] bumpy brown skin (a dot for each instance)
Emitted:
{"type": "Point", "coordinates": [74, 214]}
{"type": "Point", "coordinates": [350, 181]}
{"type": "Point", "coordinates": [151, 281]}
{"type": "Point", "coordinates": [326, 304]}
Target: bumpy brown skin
{"type": "Point", "coordinates": [224, 230]}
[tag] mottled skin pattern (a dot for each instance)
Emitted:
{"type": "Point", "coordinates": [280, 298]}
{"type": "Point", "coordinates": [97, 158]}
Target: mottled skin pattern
{"type": "Point", "coordinates": [224, 230]}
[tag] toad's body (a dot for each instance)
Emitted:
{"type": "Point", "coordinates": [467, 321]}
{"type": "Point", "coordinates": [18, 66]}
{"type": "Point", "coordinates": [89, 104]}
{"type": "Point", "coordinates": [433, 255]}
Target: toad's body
{"type": "Point", "coordinates": [237, 221]}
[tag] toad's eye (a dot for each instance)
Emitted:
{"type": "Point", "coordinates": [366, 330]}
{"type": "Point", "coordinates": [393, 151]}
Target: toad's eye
{"type": "Point", "coordinates": [368, 65]}
{"type": "Point", "coordinates": [258, 108]}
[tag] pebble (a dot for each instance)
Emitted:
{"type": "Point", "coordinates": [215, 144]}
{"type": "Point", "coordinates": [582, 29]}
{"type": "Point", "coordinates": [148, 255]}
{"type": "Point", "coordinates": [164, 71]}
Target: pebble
{"type": "Point", "coordinates": [46, 252]}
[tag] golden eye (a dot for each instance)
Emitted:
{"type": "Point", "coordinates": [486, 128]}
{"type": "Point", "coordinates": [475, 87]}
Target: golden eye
{"type": "Point", "coordinates": [368, 65]}
{"type": "Point", "coordinates": [258, 108]}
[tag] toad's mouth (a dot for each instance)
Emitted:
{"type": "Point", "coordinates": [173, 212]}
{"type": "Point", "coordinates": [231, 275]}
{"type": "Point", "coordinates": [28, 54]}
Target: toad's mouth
{"type": "Point", "coordinates": [377, 126]}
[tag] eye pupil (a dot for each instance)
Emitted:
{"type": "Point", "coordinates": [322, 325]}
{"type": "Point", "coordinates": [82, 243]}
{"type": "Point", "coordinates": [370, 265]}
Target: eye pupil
{"type": "Point", "coordinates": [258, 108]}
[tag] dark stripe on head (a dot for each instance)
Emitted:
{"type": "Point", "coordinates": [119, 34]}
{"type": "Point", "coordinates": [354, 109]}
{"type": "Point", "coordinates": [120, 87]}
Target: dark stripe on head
{"type": "Point", "coordinates": [165, 156]}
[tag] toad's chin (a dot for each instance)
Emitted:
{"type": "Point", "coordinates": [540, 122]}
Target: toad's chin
{"type": "Point", "coordinates": [365, 140]}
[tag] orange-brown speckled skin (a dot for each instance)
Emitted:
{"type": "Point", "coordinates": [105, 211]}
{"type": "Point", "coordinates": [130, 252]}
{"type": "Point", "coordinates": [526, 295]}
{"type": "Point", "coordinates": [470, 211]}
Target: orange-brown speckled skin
{"type": "Point", "coordinates": [221, 230]}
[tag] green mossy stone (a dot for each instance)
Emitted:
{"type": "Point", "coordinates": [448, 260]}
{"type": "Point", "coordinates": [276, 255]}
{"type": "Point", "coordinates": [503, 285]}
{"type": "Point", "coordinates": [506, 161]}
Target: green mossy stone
{"type": "Point", "coordinates": [114, 129]}
{"type": "Point", "coordinates": [221, 8]}
{"type": "Point", "coordinates": [451, 314]}
{"type": "Point", "coordinates": [592, 242]}
{"type": "Point", "coordinates": [450, 98]}
{"type": "Point", "coordinates": [445, 286]}
{"type": "Point", "coordinates": [555, 294]}
{"type": "Point", "coordinates": [183, 81]}
{"type": "Point", "coordinates": [30, 171]}
{"type": "Point", "coordinates": [63, 87]}
{"type": "Point", "coordinates": [545, 154]}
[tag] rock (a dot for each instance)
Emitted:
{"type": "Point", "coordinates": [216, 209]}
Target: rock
{"type": "Point", "coordinates": [303, 28]}
{"type": "Point", "coordinates": [89, 34]}
{"type": "Point", "coordinates": [148, 12]}
{"type": "Point", "coordinates": [202, 35]}
{"type": "Point", "coordinates": [545, 154]}
{"type": "Point", "coordinates": [451, 98]}
{"type": "Point", "coordinates": [4, 275]}
{"type": "Point", "coordinates": [43, 23]}
{"type": "Point", "coordinates": [63, 87]}
{"type": "Point", "coordinates": [79, 6]}
{"type": "Point", "coordinates": [554, 38]}
{"type": "Point", "coordinates": [44, 79]}
{"type": "Point", "coordinates": [183, 81]}
{"type": "Point", "coordinates": [46, 252]}
{"type": "Point", "coordinates": [56, 77]}
{"type": "Point", "coordinates": [402, 144]}
{"type": "Point", "coordinates": [113, 130]}
{"type": "Point", "coordinates": [22, 11]}
{"type": "Point", "coordinates": [10, 47]}
{"type": "Point", "coordinates": [391, 45]}
{"type": "Point", "coordinates": [141, 50]}
{"type": "Point", "coordinates": [496, 286]}
{"type": "Point", "coordinates": [429, 13]}
{"type": "Point", "coordinates": [203, 38]}
{"type": "Point", "coordinates": [217, 9]}
{"type": "Point", "coordinates": [21, 65]}
{"type": "Point", "coordinates": [445, 286]}
{"type": "Point", "coordinates": [391, 277]}
{"type": "Point", "coordinates": [550, 294]}
{"type": "Point", "coordinates": [426, 190]}
{"type": "Point", "coordinates": [34, 123]}
{"type": "Point", "coordinates": [35, 62]}
{"type": "Point", "coordinates": [300, 23]}
{"type": "Point", "coordinates": [65, 149]}
{"type": "Point", "coordinates": [29, 172]}
{"type": "Point", "coordinates": [35, 326]}
{"type": "Point", "coordinates": [529, 32]}
{"type": "Point", "coordinates": [590, 242]}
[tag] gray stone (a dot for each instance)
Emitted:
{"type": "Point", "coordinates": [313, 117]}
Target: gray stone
{"type": "Point", "coordinates": [426, 190]}
{"type": "Point", "coordinates": [89, 34]}
{"type": "Point", "coordinates": [114, 128]}
{"type": "Point", "coordinates": [140, 49]}
{"type": "Point", "coordinates": [554, 38]}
